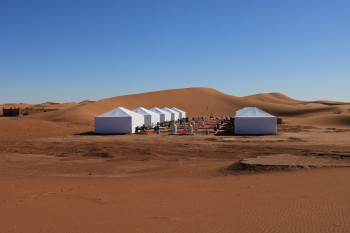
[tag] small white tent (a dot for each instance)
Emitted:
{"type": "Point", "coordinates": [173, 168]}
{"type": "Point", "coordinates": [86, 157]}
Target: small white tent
{"type": "Point", "coordinates": [182, 114]}
{"type": "Point", "coordinates": [119, 120]}
{"type": "Point", "coordinates": [164, 116]}
{"type": "Point", "coordinates": [251, 120]}
{"type": "Point", "coordinates": [151, 118]}
{"type": "Point", "coordinates": [174, 114]}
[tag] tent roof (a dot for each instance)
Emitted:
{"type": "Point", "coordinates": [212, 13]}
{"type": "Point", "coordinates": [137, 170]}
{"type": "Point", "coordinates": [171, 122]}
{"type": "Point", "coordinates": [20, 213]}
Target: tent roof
{"type": "Point", "coordinates": [120, 112]}
{"type": "Point", "coordinates": [169, 110]}
{"type": "Point", "coordinates": [252, 112]}
{"type": "Point", "coordinates": [157, 110]}
{"type": "Point", "coordinates": [144, 111]}
{"type": "Point", "coordinates": [176, 109]}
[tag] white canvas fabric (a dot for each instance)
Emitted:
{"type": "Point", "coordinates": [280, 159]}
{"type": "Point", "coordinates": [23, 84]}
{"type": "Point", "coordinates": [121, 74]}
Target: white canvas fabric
{"type": "Point", "coordinates": [174, 114]}
{"type": "Point", "coordinates": [164, 116]}
{"type": "Point", "coordinates": [252, 112]}
{"type": "Point", "coordinates": [251, 120]}
{"type": "Point", "coordinates": [119, 120]}
{"type": "Point", "coordinates": [151, 118]}
{"type": "Point", "coordinates": [182, 114]}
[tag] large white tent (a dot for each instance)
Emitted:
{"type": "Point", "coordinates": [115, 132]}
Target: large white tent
{"type": "Point", "coordinates": [174, 114]}
{"type": "Point", "coordinates": [164, 116]}
{"type": "Point", "coordinates": [151, 118]}
{"type": "Point", "coordinates": [251, 120]}
{"type": "Point", "coordinates": [182, 114]}
{"type": "Point", "coordinates": [119, 120]}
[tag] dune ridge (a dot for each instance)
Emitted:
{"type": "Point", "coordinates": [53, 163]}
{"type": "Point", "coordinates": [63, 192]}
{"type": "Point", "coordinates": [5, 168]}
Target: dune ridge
{"type": "Point", "coordinates": [202, 102]}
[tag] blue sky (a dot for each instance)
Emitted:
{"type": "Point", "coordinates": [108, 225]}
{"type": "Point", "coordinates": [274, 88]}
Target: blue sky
{"type": "Point", "coordinates": [65, 51]}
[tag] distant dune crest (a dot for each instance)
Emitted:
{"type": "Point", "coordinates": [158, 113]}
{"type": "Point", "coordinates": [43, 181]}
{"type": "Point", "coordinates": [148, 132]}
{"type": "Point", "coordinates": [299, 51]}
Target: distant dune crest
{"type": "Point", "coordinates": [200, 102]}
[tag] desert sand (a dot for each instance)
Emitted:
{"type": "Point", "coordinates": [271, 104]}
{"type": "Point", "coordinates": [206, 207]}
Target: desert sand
{"type": "Point", "coordinates": [55, 176]}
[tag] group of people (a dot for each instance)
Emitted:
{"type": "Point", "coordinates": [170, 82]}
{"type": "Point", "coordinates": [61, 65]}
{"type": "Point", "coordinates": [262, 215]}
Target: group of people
{"type": "Point", "coordinates": [193, 125]}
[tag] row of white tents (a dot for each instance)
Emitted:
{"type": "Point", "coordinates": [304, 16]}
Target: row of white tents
{"type": "Point", "coordinates": [249, 120]}
{"type": "Point", "coordinates": [122, 120]}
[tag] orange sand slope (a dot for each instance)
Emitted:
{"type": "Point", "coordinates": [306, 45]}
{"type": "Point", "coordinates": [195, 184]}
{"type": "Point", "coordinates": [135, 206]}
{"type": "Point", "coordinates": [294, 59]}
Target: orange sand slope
{"type": "Point", "coordinates": [203, 102]}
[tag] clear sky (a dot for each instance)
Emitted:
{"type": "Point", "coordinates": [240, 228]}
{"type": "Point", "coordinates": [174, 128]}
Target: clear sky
{"type": "Point", "coordinates": [65, 51]}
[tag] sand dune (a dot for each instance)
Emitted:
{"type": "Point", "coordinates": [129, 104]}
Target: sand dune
{"type": "Point", "coordinates": [338, 120]}
{"type": "Point", "coordinates": [55, 105]}
{"type": "Point", "coordinates": [201, 102]}
{"type": "Point", "coordinates": [276, 98]}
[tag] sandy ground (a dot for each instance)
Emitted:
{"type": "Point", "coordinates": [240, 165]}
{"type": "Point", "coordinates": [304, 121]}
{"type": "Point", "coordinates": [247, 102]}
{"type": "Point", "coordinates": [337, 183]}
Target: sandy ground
{"type": "Point", "coordinates": [56, 177]}
{"type": "Point", "coordinates": [182, 200]}
{"type": "Point", "coordinates": [150, 183]}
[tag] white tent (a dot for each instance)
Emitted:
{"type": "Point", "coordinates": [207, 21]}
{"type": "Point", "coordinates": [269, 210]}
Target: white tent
{"type": "Point", "coordinates": [174, 114]}
{"type": "Point", "coordinates": [251, 120]}
{"type": "Point", "coordinates": [151, 118]}
{"type": "Point", "coordinates": [164, 116]}
{"type": "Point", "coordinates": [119, 120]}
{"type": "Point", "coordinates": [182, 114]}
